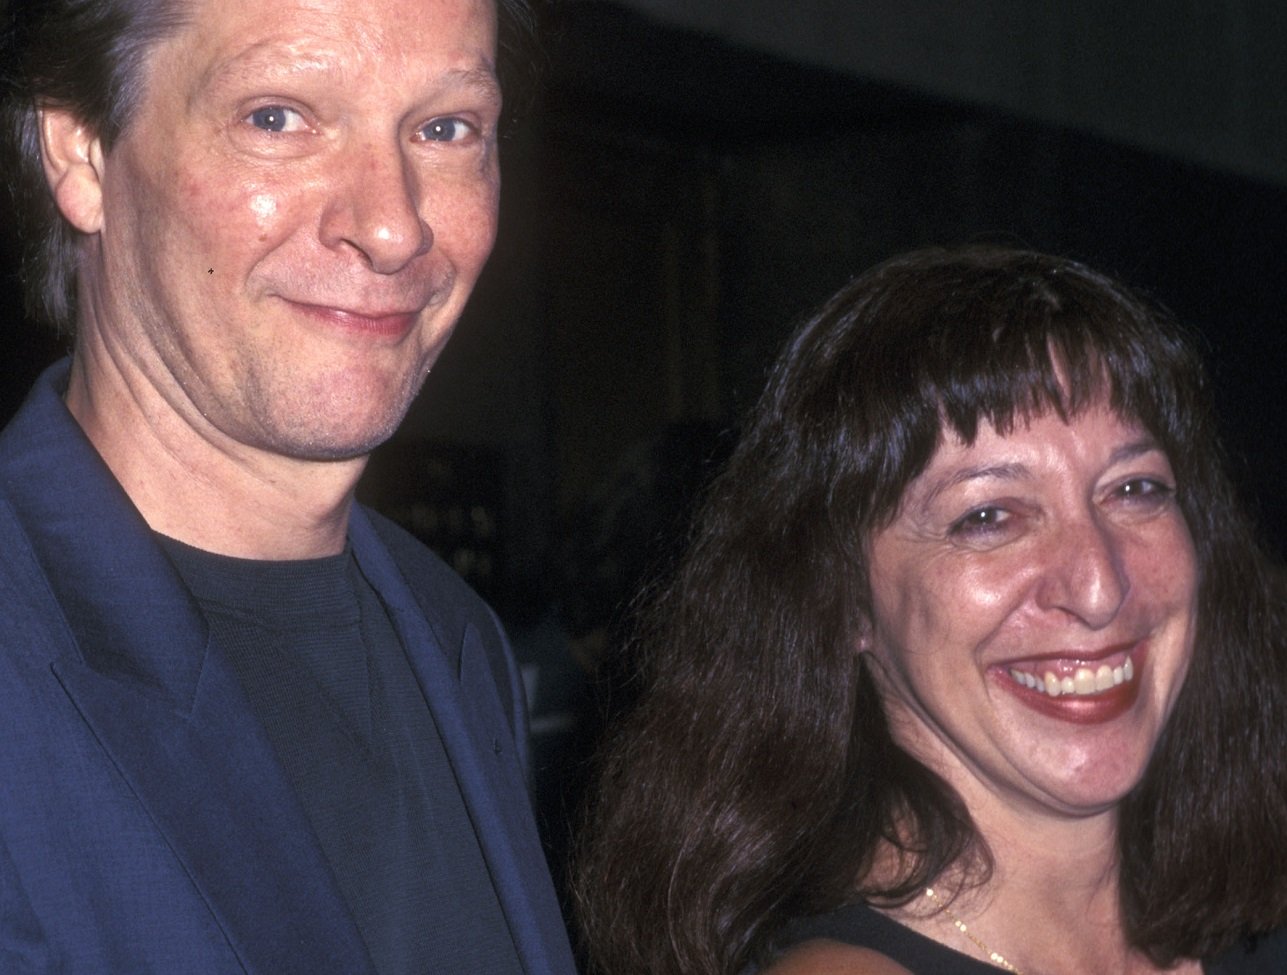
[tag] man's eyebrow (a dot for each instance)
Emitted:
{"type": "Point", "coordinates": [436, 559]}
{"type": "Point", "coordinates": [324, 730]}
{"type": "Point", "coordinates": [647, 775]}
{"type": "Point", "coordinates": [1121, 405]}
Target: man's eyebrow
{"type": "Point", "coordinates": [481, 79]}
{"type": "Point", "coordinates": [271, 59]}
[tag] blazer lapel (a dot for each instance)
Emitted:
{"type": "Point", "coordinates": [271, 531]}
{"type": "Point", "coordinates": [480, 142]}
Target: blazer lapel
{"type": "Point", "coordinates": [480, 746]}
{"type": "Point", "coordinates": [166, 707]}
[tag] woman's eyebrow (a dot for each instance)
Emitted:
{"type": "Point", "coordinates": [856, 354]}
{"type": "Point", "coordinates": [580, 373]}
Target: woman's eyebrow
{"type": "Point", "coordinates": [977, 472]}
{"type": "Point", "coordinates": [1136, 448]}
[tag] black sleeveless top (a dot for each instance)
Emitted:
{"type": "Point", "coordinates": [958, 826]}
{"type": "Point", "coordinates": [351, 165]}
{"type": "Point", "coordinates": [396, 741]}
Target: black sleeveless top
{"type": "Point", "coordinates": [858, 924]}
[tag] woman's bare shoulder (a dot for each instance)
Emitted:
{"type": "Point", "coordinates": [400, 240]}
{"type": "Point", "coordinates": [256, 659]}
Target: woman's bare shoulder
{"type": "Point", "coordinates": [823, 957]}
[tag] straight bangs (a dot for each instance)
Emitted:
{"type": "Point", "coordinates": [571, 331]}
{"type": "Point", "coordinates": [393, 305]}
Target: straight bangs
{"type": "Point", "coordinates": [1063, 369]}
{"type": "Point", "coordinates": [947, 345]}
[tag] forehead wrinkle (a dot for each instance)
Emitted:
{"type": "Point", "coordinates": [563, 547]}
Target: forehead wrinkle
{"type": "Point", "coordinates": [269, 59]}
{"type": "Point", "coordinates": [278, 59]}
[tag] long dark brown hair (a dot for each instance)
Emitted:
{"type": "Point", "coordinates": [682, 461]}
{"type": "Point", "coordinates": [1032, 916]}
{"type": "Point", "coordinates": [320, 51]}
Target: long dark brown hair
{"type": "Point", "coordinates": [756, 778]}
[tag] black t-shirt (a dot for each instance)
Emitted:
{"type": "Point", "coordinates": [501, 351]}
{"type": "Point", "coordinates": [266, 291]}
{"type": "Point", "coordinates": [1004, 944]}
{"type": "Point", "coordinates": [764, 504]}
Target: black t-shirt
{"type": "Point", "coordinates": [319, 659]}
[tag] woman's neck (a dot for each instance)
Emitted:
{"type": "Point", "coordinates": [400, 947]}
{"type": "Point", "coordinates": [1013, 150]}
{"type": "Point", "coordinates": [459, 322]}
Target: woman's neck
{"type": "Point", "coordinates": [1051, 904]}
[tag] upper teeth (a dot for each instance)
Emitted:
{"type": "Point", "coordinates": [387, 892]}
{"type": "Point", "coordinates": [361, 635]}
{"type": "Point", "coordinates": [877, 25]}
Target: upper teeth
{"type": "Point", "coordinates": [1084, 682]}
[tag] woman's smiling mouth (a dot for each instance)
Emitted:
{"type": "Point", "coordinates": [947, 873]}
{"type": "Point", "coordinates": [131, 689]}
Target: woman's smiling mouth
{"type": "Point", "coordinates": [1085, 681]}
{"type": "Point", "coordinates": [1081, 689]}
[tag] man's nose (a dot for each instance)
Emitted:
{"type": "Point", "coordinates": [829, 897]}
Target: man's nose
{"type": "Point", "coordinates": [1084, 574]}
{"type": "Point", "coordinates": [376, 211]}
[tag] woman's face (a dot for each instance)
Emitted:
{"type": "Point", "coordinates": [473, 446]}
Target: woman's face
{"type": "Point", "coordinates": [1033, 608]}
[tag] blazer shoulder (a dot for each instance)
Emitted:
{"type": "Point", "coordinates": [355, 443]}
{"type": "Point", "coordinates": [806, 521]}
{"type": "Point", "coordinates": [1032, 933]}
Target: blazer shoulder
{"type": "Point", "coordinates": [447, 600]}
{"type": "Point", "coordinates": [432, 579]}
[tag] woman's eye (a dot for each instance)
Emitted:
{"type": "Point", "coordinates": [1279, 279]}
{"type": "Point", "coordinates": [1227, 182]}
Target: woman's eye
{"type": "Point", "coordinates": [1145, 490]}
{"type": "Point", "coordinates": [981, 521]}
{"type": "Point", "coordinates": [446, 130]}
{"type": "Point", "coordinates": [276, 118]}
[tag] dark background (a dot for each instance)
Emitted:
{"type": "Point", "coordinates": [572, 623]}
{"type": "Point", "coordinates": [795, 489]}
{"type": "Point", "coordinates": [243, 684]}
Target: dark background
{"type": "Point", "coordinates": [671, 208]}
{"type": "Point", "coordinates": [676, 203]}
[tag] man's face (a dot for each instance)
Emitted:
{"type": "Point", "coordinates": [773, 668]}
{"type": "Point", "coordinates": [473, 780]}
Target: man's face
{"type": "Point", "coordinates": [295, 215]}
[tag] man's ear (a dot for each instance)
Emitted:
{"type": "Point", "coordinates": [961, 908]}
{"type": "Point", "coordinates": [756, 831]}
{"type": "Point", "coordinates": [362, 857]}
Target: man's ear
{"type": "Point", "coordinates": [73, 158]}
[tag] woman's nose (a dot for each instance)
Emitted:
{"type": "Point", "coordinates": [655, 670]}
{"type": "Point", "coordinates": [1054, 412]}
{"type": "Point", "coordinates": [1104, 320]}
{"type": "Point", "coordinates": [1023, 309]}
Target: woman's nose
{"type": "Point", "coordinates": [1084, 574]}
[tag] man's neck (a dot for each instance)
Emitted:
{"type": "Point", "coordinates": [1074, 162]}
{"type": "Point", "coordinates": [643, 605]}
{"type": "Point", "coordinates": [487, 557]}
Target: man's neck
{"type": "Point", "coordinates": [211, 492]}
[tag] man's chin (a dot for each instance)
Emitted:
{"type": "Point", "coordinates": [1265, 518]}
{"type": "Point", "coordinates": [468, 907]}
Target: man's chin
{"type": "Point", "coordinates": [332, 445]}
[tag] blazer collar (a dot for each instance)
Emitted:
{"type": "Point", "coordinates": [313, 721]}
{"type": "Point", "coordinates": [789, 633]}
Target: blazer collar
{"type": "Point", "coordinates": [451, 664]}
{"type": "Point", "coordinates": [166, 707]}
{"type": "Point", "coordinates": [123, 600]}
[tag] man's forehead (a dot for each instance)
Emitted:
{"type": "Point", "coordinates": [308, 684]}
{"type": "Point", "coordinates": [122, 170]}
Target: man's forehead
{"type": "Point", "coordinates": [288, 56]}
{"type": "Point", "coordinates": [454, 38]}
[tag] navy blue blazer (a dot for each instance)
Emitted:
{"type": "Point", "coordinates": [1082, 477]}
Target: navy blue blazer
{"type": "Point", "coordinates": [145, 824]}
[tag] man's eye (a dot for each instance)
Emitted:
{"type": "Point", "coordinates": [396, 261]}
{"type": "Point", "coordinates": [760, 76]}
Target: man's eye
{"type": "Point", "coordinates": [275, 118]}
{"type": "Point", "coordinates": [446, 130]}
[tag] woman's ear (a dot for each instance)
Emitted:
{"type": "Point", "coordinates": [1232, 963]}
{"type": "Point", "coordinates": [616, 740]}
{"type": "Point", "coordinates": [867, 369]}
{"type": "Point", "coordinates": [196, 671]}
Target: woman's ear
{"type": "Point", "coordinates": [863, 634]}
{"type": "Point", "coordinates": [73, 159]}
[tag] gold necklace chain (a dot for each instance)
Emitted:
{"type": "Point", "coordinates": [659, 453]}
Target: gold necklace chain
{"type": "Point", "coordinates": [993, 956]}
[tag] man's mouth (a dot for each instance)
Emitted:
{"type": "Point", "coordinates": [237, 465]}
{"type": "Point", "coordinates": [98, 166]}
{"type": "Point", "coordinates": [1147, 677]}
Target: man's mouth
{"type": "Point", "coordinates": [391, 321]}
